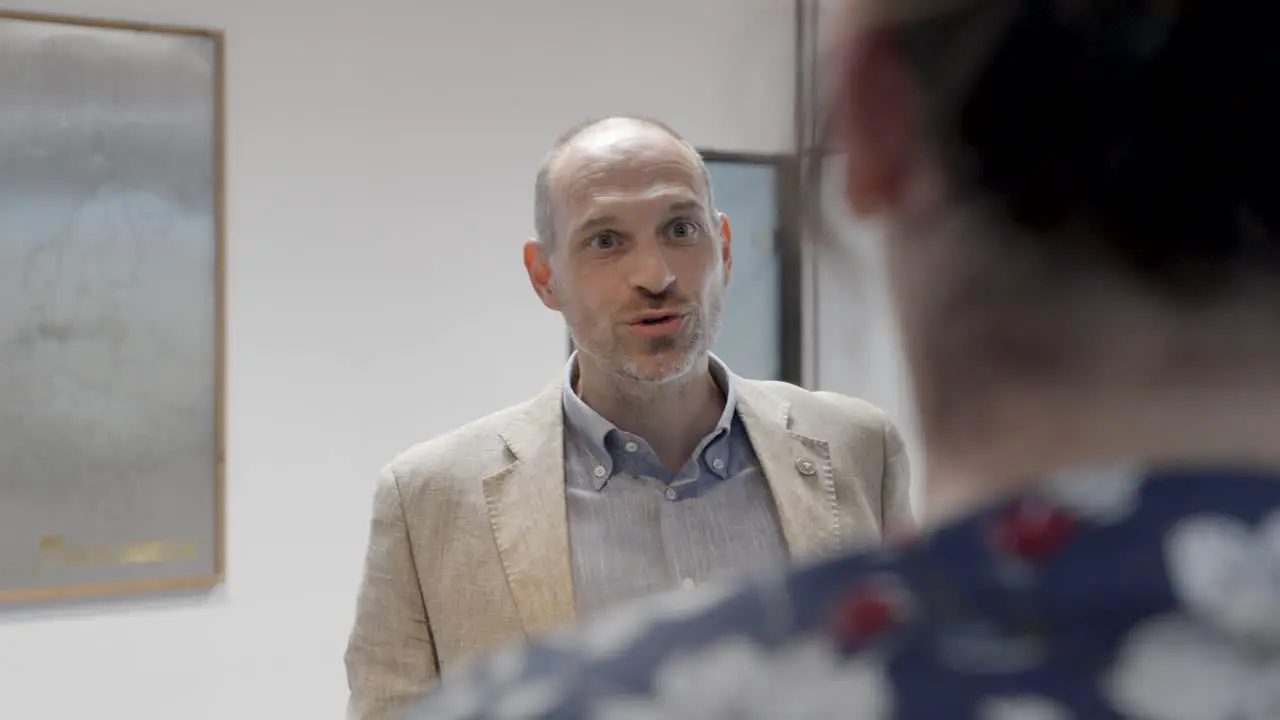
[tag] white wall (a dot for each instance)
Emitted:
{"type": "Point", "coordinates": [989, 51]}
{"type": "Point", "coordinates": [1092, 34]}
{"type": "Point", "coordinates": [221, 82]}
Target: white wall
{"type": "Point", "coordinates": [380, 165]}
{"type": "Point", "coordinates": [855, 343]}
{"type": "Point", "coordinates": [851, 340]}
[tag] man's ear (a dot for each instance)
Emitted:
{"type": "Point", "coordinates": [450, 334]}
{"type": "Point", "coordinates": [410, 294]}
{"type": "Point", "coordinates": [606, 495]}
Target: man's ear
{"type": "Point", "coordinates": [726, 246]}
{"type": "Point", "coordinates": [538, 265]}
{"type": "Point", "coordinates": [877, 121]}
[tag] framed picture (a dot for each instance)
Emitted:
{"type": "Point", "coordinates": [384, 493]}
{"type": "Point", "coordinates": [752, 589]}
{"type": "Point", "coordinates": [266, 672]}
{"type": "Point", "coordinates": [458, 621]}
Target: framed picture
{"type": "Point", "coordinates": [761, 329]}
{"type": "Point", "coordinates": [111, 288]}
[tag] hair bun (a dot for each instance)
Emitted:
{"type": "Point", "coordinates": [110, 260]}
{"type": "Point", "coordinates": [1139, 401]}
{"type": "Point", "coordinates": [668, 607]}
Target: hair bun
{"type": "Point", "coordinates": [1152, 123]}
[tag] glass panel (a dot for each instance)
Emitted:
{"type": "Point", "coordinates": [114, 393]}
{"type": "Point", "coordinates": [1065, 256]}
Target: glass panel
{"type": "Point", "coordinates": [749, 337]}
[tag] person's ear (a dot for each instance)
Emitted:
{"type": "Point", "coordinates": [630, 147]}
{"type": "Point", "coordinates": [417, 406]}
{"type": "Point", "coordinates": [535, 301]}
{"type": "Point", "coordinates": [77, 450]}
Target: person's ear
{"type": "Point", "coordinates": [877, 120]}
{"type": "Point", "coordinates": [726, 247]}
{"type": "Point", "coordinates": [538, 265]}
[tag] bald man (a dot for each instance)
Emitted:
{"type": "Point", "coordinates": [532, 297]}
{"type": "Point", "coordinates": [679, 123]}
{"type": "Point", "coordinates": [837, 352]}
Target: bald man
{"type": "Point", "coordinates": [646, 466]}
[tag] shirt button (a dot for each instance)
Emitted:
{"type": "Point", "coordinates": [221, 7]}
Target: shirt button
{"type": "Point", "coordinates": [599, 471]}
{"type": "Point", "coordinates": [671, 494]}
{"type": "Point", "coordinates": [687, 583]}
{"type": "Point", "coordinates": [718, 464]}
{"type": "Point", "coordinates": [632, 447]}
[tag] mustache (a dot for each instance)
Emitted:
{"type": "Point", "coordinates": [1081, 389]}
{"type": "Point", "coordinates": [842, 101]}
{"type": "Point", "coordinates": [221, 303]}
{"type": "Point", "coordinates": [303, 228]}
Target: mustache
{"type": "Point", "coordinates": [680, 308]}
{"type": "Point", "coordinates": [662, 301]}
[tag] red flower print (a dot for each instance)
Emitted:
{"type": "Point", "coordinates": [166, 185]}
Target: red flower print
{"type": "Point", "coordinates": [1032, 531]}
{"type": "Point", "coordinates": [868, 612]}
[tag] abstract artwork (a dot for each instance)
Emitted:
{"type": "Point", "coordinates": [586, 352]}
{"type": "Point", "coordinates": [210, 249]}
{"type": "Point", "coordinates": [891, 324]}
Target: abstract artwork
{"type": "Point", "coordinates": [111, 312]}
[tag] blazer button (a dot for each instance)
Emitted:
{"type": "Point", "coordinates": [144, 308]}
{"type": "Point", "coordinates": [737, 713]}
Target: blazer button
{"type": "Point", "coordinates": [806, 466]}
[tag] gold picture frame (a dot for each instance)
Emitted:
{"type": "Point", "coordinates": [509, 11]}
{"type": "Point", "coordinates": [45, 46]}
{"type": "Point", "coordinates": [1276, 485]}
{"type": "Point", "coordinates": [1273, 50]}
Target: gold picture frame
{"type": "Point", "coordinates": [131, 533]}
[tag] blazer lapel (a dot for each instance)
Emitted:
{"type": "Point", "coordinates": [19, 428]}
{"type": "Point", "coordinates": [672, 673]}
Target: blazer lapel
{"type": "Point", "coordinates": [527, 512]}
{"type": "Point", "coordinates": [797, 468]}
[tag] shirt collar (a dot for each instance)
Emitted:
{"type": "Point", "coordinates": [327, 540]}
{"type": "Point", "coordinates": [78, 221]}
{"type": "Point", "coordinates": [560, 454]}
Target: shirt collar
{"type": "Point", "coordinates": [592, 430]}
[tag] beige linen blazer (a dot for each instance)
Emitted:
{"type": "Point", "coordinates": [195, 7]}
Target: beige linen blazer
{"type": "Point", "coordinates": [469, 545]}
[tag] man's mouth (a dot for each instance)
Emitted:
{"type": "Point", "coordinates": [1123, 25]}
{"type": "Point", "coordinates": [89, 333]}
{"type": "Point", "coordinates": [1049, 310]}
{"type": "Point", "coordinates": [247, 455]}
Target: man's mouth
{"type": "Point", "coordinates": [657, 319]}
{"type": "Point", "coordinates": [658, 324]}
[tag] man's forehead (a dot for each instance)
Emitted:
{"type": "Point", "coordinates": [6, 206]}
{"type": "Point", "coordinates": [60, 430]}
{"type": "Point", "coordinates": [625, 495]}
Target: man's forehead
{"type": "Point", "coordinates": [619, 158]}
{"type": "Point", "coordinates": [610, 147]}
{"type": "Point", "coordinates": [620, 134]}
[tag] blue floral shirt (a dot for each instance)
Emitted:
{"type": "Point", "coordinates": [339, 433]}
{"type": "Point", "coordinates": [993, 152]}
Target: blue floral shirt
{"type": "Point", "coordinates": [1116, 595]}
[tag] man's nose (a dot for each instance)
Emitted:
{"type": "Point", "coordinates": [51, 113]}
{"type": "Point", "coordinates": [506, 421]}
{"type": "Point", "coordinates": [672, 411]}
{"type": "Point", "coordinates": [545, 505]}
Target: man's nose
{"type": "Point", "coordinates": [650, 271]}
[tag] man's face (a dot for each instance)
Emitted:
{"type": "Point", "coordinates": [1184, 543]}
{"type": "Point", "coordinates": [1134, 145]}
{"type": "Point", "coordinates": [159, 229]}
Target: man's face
{"type": "Point", "coordinates": [639, 264]}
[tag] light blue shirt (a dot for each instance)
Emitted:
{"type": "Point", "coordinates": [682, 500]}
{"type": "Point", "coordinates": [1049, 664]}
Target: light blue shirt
{"type": "Point", "coordinates": [637, 528]}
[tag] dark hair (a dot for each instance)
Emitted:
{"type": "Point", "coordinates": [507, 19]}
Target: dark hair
{"type": "Point", "coordinates": [1143, 133]}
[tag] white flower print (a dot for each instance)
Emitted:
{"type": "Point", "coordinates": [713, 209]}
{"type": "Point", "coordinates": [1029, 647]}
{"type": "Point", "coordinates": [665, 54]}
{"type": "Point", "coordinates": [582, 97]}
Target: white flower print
{"type": "Point", "coordinates": [530, 699]}
{"type": "Point", "coordinates": [1022, 707]}
{"type": "Point", "coordinates": [1221, 659]}
{"type": "Point", "coordinates": [458, 694]}
{"type": "Point", "coordinates": [1228, 575]}
{"type": "Point", "coordinates": [1173, 668]}
{"type": "Point", "coordinates": [507, 664]}
{"type": "Point", "coordinates": [1262, 696]}
{"type": "Point", "coordinates": [458, 698]}
{"type": "Point", "coordinates": [1107, 496]}
{"type": "Point", "coordinates": [736, 679]}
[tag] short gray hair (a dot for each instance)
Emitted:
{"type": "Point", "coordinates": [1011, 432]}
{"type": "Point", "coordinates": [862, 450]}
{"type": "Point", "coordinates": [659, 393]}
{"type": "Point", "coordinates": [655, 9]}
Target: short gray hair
{"type": "Point", "coordinates": [543, 205]}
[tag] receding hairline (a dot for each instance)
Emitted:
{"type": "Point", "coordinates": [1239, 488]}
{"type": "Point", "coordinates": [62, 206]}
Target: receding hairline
{"type": "Point", "coordinates": [543, 209]}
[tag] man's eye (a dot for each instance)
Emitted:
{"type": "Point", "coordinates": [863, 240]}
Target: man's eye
{"type": "Point", "coordinates": [604, 241]}
{"type": "Point", "coordinates": [684, 229]}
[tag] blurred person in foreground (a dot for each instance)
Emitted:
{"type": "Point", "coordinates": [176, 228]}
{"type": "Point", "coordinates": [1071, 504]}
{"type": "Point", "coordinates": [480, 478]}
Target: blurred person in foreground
{"type": "Point", "coordinates": [1082, 219]}
{"type": "Point", "coordinates": [646, 466]}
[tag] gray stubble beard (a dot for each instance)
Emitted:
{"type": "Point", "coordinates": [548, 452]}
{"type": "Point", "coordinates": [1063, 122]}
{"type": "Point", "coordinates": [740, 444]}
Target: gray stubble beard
{"type": "Point", "coordinates": [700, 342]}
